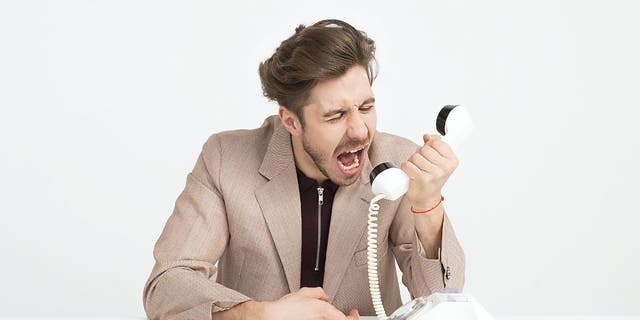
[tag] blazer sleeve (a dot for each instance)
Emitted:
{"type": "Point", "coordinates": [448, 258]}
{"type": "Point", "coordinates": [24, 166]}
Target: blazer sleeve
{"type": "Point", "coordinates": [193, 239]}
{"type": "Point", "coordinates": [423, 276]}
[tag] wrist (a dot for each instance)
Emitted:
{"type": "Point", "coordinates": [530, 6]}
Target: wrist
{"type": "Point", "coordinates": [246, 310]}
{"type": "Point", "coordinates": [426, 204]}
{"type": "Point", "coordinates": [253, 309]}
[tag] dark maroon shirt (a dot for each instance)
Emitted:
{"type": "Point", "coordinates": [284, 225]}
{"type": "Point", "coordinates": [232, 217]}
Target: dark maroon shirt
{"type": "Point", "coordinates": [309, 200]}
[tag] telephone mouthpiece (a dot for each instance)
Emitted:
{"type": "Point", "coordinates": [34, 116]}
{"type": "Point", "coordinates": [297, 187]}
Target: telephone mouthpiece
{"type": "Point", "coordinates": [388, 180]}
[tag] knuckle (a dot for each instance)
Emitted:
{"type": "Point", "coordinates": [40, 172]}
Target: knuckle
{"type": "Point", "coordinates": [447, 170]}
{"type": "Point", "coordinates": [316, 291]}
{"type": "Point", "coordinates": [424, 151]}
{"type": "Point", "coordinates": [430, 153]}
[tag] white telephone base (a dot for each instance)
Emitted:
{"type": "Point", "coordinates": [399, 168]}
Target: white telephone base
{"type": "Point", "coordinates": [442, 306]}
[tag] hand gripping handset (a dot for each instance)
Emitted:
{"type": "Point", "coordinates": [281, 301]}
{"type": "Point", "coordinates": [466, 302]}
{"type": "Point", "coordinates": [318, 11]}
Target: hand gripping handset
{"type": "Point", "coordinates": [389, 182]}
{"type": "Point", "coordinates": [455, 125]}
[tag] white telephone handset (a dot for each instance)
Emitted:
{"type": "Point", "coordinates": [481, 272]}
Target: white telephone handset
{"type": "Point", "coordinates": [389, 182]}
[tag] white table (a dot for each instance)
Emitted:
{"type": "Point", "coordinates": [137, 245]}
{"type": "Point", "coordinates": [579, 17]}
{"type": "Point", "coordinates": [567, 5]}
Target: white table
{"type": "Point", "coordinates": [551, 318]}
{"type": "Point", "coordinates": [363, 318]}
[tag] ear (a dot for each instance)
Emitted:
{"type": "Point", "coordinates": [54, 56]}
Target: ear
{"type": "Point", "coordinates": [290, 121]}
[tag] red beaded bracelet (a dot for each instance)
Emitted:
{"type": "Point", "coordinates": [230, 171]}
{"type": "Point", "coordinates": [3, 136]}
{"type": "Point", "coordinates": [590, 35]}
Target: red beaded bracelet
{"type": "Point", "coordinates": [437, 204]}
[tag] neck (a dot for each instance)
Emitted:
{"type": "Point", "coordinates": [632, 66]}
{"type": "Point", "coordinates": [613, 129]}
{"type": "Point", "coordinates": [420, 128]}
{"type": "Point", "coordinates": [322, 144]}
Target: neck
{"type": "Point", "coordinates": [304, 161]}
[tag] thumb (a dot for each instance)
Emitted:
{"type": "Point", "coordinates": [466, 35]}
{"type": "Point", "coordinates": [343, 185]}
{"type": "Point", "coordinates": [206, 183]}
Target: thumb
{"type": "Point", "coordinates": [314, 293]}
{"type": "Point", "coordinates": [425, 138]}
{"type": "Point", "coordinates": [431, 138]}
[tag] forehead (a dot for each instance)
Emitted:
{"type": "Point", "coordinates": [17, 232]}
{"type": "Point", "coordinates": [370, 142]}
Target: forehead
{"type": "Point", "coordinates": [350, 89]}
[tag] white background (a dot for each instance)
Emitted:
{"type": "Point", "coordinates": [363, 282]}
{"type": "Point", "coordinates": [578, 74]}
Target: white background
{"type": "Point", "coordinates": [106, 104]}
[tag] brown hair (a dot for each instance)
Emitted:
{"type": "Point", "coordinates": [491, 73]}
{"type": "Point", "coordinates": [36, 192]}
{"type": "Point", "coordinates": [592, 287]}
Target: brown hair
{"type": "Point", "coordinates": [322, 51]}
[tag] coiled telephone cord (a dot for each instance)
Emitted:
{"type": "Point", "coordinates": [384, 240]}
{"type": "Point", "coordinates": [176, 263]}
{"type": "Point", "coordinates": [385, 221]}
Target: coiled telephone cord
{"type": "Point", "coordinates": [372, 257]}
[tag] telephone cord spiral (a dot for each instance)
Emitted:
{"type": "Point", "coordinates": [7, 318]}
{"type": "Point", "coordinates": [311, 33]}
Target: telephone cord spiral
{"type": "Point", "coordinates": [372, 257]}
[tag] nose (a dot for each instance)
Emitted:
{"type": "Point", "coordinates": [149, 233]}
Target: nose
{"type": "Point", "coordinates": [357, 128]}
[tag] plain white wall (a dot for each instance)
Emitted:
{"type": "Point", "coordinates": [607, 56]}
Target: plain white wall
{"type": "Point", "coordinates": [105, 106]}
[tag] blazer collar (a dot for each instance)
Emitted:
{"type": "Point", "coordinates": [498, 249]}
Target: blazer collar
{"type": "Point", "coordinates": [279, 154]}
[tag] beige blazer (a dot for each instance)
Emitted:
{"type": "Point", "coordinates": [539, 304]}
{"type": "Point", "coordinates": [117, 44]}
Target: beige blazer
{"type": "Point", "coordinates": [241, 208]}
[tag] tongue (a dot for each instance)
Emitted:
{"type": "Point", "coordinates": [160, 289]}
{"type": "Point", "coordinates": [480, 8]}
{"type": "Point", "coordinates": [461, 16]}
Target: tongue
{"type": "Point", "coordinates": [347, 158]}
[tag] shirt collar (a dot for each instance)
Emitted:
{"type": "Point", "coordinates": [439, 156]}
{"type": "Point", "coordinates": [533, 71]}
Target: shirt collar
{"type": "Point", "coordinates": [305, 183]}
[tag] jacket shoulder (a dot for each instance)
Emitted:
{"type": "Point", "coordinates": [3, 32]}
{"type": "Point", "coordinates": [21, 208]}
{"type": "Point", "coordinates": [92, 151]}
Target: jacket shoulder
{"type": "Point", "coordinates": [241, 142]}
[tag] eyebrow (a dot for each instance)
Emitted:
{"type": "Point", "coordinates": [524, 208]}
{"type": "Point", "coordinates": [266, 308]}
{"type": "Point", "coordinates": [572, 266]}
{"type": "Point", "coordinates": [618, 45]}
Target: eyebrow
{"type": "Point", "coordinates": [342, 109]}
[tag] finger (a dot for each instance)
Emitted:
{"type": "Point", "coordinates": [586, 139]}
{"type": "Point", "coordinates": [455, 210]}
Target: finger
{"type": "Point", "coordinates": [411, 170]}
{"type": "Point", "coordinates": [315, 293]}
{"type": "Point", "coordinates": [430, 137]}
{"type": "Point", "coordinates": [354, 314]}
{"type": "Point", "coordinates": [429, 153]}
{"type": "Point", "coordinates": [333, 313]}
{"type": "Point", "coordinates": [422, 163]}
{"type": "Point", "coordinates": [444, 149]}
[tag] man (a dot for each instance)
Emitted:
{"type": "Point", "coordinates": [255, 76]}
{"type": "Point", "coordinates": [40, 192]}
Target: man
{"type": "Point", "coordinates": [282, 208]}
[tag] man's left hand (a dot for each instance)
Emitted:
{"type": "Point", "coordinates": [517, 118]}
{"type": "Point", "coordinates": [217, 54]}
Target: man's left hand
{"type": "Point", "coordinates": [429, 168]}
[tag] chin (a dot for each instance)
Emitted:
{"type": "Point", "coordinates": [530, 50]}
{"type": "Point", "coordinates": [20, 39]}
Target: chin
{"type": "Point", "coordinates": [343, 182]}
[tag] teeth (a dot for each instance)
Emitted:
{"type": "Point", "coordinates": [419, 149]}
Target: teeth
{"type": "Point", "coordinates": [355, 164]}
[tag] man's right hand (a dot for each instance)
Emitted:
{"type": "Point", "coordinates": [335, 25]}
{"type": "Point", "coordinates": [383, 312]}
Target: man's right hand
{"type": "Point", "coordinates": [306, 303]}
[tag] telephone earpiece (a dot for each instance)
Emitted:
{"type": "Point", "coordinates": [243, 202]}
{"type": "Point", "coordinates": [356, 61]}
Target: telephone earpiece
{"type": "Point", "coordinates": [454, 124]}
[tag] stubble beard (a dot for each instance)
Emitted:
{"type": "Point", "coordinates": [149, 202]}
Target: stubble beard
{"type": "Point", "coordinates": [320, 160]}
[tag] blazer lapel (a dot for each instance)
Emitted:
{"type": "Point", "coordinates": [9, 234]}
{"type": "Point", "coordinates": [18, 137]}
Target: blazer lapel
{"type": "Point", "coordinates": [279, 200]}
{"type": "Point", "coordinates": [348, 224]}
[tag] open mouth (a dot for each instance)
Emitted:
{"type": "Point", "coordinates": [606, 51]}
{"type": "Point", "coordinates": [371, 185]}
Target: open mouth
{"type": "Point", "coordinates": [349, 161]}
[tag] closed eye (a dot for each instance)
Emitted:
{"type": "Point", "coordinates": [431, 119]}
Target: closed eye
{"type": "Point", "coordinates": [338, 116]}
{"type": "Point", "coordinates": [366, 108]}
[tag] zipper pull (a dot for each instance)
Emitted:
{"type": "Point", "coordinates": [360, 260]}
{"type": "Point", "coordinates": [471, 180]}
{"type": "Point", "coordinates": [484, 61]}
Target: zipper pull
{"type": "Point", "coordinates": [320, 195]}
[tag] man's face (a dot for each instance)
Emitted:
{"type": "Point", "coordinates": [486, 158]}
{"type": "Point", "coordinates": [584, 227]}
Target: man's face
{"type": "Point", "coordinates": [340, 122]}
